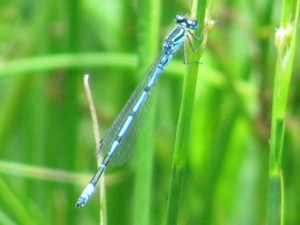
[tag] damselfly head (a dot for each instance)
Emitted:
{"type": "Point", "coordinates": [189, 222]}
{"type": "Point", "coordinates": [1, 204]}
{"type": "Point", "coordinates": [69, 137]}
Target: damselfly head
{"type": "Point", "coordinates": [188, 22]}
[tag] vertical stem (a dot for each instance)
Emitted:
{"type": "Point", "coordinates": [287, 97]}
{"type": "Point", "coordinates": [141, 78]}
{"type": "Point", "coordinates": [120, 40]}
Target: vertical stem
{"type": "Point", "coordinates": [285, 40]}
{"type": "Point", "coordinates": [184, 124]}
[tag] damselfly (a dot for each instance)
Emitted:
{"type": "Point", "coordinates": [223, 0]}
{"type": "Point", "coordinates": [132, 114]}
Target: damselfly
{"type": "Point", "coordinates": [121, 136]}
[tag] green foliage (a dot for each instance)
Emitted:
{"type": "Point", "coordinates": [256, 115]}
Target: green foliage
{"type": "Point", "coordinates": [46, 133]}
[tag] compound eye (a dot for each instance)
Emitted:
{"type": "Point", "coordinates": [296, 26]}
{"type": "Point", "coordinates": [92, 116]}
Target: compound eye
{"type": "Point", "coordinates": [192, 24]}
{"type": "Point", "coordinates": [179, 18]}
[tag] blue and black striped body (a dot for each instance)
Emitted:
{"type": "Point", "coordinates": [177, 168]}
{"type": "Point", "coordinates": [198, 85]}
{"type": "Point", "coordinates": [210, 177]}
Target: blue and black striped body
{"type": "Point", "coordinates": [120, 137]}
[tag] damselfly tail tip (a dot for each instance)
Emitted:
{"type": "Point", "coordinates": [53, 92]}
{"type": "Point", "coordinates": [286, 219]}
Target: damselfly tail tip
{"type": "Point", "coordinates": [86, 194]}
{"type": "Point", "coordinates": [80, 203]}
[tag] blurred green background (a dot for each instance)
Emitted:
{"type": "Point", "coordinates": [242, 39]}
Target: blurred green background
{"type": "Point", "coordinates": [46, 134]}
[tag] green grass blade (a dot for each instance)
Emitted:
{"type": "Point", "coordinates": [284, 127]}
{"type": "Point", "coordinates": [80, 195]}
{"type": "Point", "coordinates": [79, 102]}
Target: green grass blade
{"type": "Point", "coordinates": [285, 41]}
{"type": "Point", "coordinates": [184, 125]}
